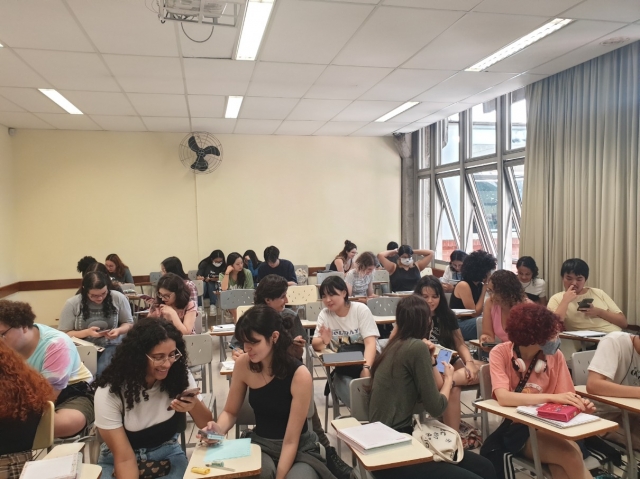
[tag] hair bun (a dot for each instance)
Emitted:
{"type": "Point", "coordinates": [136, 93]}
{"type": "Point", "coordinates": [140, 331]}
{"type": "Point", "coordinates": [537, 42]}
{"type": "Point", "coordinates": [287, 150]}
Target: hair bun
{"type": "Point", "coordinates": [347, 242]}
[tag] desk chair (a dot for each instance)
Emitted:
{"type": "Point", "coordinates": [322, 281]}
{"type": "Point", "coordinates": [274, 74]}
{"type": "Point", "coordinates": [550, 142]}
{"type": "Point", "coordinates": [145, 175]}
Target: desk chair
{"type": "Point", "coordinates": [312, 310]}
{"type": "Point", "coordinates": [426, 272]}
{"type": "Point", "coordinates": [233, 298]}
{"type": "Point", "coordinates": [325, 274]}
{"type": "Point", "coordinates": [568, 348]}
{"type": "Point", "coordinates": [382, 276]}
{"type": "Point", "coordinates": [128, 286]}
{"type": "Point", "coordinates": [385, 306]}
{"type": "Point", "coordinates": [580, 369]}
{"type": "Point", "coordinates": [298, 296]}
{"type": "Point", "coordinates": [243, 309]}
{"type": "Point", "coordinates": [89, 357]}
{"type": "Point", "coordinates": [154, 277]}
{"type": "Point", "coordinates": [44, 434]}
{"type": "Point", "coordinates": [192, 274]}
{"type": "Point", "coordinates": [482, 356]}
{"type": "Point", "coordinates": [200, 353]}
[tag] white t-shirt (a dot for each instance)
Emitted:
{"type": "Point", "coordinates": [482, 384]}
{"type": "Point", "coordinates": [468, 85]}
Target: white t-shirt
{"type": "Point", "coordinates": [450, 276]}
{"type": "Point", "coordinates": [353, 328]}
{"type": "Point", "coordinates": [108, 409]}
{"type": "Point", "coordinates": [617, 360]}
{"type": "Point", "coordinates": [359, 283]}
{"type": "Point", "coordinates": [537, 287]}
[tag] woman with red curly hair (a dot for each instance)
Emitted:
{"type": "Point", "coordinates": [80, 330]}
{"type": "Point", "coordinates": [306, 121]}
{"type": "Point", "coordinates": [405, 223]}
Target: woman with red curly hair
{"type": "Point", "coordinates": [528, 370]}
{"type": "Point", "coordinates": [23, 397]}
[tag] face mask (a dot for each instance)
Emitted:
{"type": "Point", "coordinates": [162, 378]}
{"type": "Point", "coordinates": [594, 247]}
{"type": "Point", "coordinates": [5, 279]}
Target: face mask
{"type": "Point", "coordinates": [217, 265]}
{"type": "Point", "coordinates": [406, 261]}
{"type": "Point", "coordinates": [550, 347]}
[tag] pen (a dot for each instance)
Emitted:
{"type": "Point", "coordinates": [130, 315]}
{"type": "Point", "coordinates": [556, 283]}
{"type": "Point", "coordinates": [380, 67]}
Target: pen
{"type": "Point", "coordinates": [220, 465]}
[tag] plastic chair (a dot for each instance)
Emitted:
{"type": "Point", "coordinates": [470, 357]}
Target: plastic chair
{"type": "Point", "coordinates": [197, 326]}
{"type": "Point", "coordinates": [385, 306]}
{"type": "Point", "coordinates": [192, 274]}
{"type": "Point", "coordinates": [426, 272]}
{"type": "Point", "coordinates": [381, 276]}
{"type": "Point", "coordinates": [154, 277]}
{"type": "Point", "coordinates": [568, 348]}
{"type": "Point", "coordinates": [360, 398]}
{"type": "Point", "coordinates": [312, 310]}
{"type": "Point", "coordinates": [243, 309]}
{"type": "Point", "coordinates": [325, 274]}
{"type": "Point", "coordinates": [89, 357]}
{"type": "Point", "coordinates": [44, 434]}
{"type": "Point", "coordinates": [580, 369]}
{"type": "Point", "coordinates": [200, 353]}
{"type": "Point", "coordinates": [233, 298]}
{"type": "Point", "coordinates": [200, 288]}
{"type": "Point", "coordinates": [301, 295]}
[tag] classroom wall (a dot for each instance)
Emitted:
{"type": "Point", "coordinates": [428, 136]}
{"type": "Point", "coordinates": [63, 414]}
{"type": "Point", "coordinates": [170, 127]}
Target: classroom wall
{"type": "Point", "coordinates": [79, 193]}
{"type": "Point", "coordinates": [8, 266]}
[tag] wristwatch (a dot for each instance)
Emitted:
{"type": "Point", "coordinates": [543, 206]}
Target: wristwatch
{"type": "Point", "coordinates": [366, 366]}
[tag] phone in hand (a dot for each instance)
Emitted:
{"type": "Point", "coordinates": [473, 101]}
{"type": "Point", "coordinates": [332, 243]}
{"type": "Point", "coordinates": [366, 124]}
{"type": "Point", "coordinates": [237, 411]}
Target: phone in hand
{"type": "Point", "coordinates": [443, 356]}
{"type": "Point", "coordinates": [585, 303]}
{"type": "Point", "coordinates": [489, 345]}
{"type": "Point", "coordinates": [210, 438]}
{"type": "Point", "coordinates": [187, 393]}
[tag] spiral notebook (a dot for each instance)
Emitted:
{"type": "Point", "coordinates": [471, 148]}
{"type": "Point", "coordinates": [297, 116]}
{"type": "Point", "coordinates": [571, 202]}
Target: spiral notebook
{"type": "Point", "coordinates": [580, 419]}
{"type": "Point", "coordinates": [64, 467]}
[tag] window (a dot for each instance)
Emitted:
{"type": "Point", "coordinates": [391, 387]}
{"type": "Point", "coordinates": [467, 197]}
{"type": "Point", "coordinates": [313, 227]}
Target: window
{"type": "Point", "coordinates": [517, 120]}
{"type": "Point", "coordinates": [483, 129]}
{"type": "Point", "coordinates": [423, 211]}
{"type": "Point", "coordinates": [451, 150]}
{"type": "Point", "coordinates": [485, 184]}
{"type": "Point", "coordinates": [448, 214]}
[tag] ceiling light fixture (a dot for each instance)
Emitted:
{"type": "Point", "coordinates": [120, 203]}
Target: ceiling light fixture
{"type": "Point", "coordinates": [61, 101]}
{"type": "Point", "coordinates": [397, 111]}
{"type": "Point", "coordinates": [1, 45]}
{"type": "Point", "coordinates": [255, 23]}
{"type": "Point", "coordinates": [520, 44]}
{"type": "Point", "coordinates": [233, 106]}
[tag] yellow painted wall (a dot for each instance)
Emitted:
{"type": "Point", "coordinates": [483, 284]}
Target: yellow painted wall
{"type": "Point", "coordinates": [8, 266]}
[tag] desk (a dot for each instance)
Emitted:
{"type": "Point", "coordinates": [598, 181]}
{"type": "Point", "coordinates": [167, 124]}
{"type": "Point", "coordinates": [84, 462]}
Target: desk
{"type": "Point", "coordinates": [244, 466]}
{"type": "Point", "coordinates": [399, 456]}
{"type": "Point", "coordinates": [221, 335]}
{"type": "Point", "coordinates": [399, 294]}
{"type": "Point", "coordinates": [568, 335]}
{"type": "Point", "coordinates": [87, 471]}
{"type": "Point", "coordinates": [334, 396]}
{"type": "Point", "coordinates": [626, 405]}
{"type": "Point", "coordinates": [385, 319]}
{"type": "Point", "coordinates": [571, 433]}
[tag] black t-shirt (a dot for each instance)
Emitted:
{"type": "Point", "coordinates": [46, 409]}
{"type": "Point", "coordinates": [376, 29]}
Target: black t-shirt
{"type": "Point", "coordinates": [206, 269]}
{"type": "Point", "coordinates": [17, 436]}
{"type": "Point", "coordinates": [284, 269]}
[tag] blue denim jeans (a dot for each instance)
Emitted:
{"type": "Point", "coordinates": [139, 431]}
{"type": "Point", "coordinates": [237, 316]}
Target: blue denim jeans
{"type": "Point", "coordinates": [105, 357]}
{"type": "Point", "coordinates": [468, 328]}
{"type": "Point", "coordinates": [169, 450]}
{"type": "Point", "coordinates": [210, 292]}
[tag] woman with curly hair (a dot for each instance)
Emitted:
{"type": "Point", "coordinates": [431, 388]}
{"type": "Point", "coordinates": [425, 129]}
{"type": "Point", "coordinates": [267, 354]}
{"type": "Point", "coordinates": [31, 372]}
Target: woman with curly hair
{"type": "Point", "coordinates": [98, 315]}
{"type": "Point", "coordinates": [469, 293]}
{"type": "Point", "coordinates": [505, 291]}
{"type": "Point", "coordinates": [117, 269]}
{"type": "Point", "coordinates": [535, 288]}
{"type": "Point", "coordinates": [23, 396]}
{"type": "Point", "coordinates": [173, 303]}
{"type": "Point", "coordinates": [138, 412]}
{"type": "Point", "coordinates": [528, 370]}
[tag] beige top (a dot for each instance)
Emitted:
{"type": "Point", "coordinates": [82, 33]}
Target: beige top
{"type": "Point", "coordinates": [576, 320]}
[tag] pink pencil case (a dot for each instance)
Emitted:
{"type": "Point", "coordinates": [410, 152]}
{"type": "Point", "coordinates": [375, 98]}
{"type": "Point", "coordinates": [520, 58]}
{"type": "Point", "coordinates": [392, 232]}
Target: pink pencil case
{"type": "Point", "coordinates": [558, 412]}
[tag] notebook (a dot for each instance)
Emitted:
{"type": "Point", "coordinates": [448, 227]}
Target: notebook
{"type": "Point", "coordinates": [580, 419]}
{"type": "Point", "coordinates": [225, 327]}
{"type": "Point", "coordinates": [458, 312]}
{"type": "Point", "coordinates": [370, 437]}
{"type": "Point", "coordinates": [229, 449]}
{"type": "Point", "coordinates": [329, 359]}
{"type": "Point", "coordinates": [63, 467]}
{"type": "Point", "coordinates": [586, 334]}
{"type": "Point", "coordinates": [228, 364]}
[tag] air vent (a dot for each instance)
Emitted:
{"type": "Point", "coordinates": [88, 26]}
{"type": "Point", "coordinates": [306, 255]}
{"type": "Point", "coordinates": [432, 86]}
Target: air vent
{"type": "Point", "coordinates": [615, 41]}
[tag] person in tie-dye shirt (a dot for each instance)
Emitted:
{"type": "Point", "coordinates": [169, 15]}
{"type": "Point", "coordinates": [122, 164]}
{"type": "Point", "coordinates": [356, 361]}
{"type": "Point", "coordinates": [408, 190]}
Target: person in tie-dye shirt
{"type": "Point", "coordinates": [52, 354]}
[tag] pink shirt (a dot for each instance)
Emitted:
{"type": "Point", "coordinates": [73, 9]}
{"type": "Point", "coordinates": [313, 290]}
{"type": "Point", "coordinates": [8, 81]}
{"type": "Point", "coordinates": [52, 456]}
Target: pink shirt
{"type": "Point", "coordinates": [555, 380]}
{"type": "Point", "coordinates": [496, 321]}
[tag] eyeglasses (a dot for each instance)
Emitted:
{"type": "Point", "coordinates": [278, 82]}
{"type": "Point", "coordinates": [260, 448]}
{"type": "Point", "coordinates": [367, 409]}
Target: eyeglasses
{"type": "Point", "coordinates": [165, 297]}
{"type": "Point", "coordinates": [2, 335]}
{"type": "Point", "coordinates": [173, 357]}
{"type": "Point", "coordinates": [98, 296]}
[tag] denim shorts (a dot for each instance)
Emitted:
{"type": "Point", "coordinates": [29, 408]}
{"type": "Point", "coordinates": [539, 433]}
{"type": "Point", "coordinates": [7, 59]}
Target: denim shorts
{"type": "Point", "coordinates": [169, 450]}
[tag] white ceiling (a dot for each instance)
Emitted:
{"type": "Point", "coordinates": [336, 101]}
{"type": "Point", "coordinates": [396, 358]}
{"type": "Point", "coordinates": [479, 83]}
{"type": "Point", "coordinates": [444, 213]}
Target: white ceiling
{"type": "Point", "coordinates": [326, 67]}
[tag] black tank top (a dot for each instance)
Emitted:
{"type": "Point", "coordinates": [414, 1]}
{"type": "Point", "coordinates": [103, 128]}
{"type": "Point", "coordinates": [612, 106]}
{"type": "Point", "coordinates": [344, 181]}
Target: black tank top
{"type": "Point", "coordinates": [404, 280]}
{"type": "Point", "coordinates": [476, 291]}
{"type": "Point", "coordinates": [271, 405]}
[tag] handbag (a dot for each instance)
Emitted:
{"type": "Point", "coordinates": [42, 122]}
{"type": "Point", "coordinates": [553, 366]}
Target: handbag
{"type": "Point", "coordinates": [154, 469]}
{"type": "Point", "coordinates": [443, 441]}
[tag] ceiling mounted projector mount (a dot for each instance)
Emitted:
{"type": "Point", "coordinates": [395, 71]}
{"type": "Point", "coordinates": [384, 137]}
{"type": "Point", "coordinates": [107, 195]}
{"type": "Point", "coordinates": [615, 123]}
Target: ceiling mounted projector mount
{"type": "Point", "coordinates": [205, 12]}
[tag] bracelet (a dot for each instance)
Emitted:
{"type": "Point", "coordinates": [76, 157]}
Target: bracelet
{"type": "Point", "coordinates": [366, 366]}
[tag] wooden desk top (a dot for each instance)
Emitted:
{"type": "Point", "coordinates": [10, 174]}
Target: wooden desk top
{"type": "Point", "coordinates": [399, 456]}
{"type": "Point", "coordinates": [568, 335]}
{"type": "Point", "coordinates": [629, 404]}
{"type": "Point", "coordinates": [309, 324]}
{"type": "Point", "coordinates": [400, 294]}
{"type": "Point", "coordinates": [225, 371]}
{"type": "Point", "coordinates": [385, 319]}
{"type": "Point", "coordinates": [244, 466]}
{"type": "Point", "coordinates": [222, 333]}
{"type": "Point", "coordinates": [475, 342]}
{"type": "Point", "coordinates": [572, 433]}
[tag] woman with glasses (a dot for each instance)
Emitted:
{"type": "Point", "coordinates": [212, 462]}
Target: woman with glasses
{"type": "Point", "coordinates": [173, 303]}
{"type": "Point", "coordinates": [138, 412]}
{"type": "Point", "coordinates": [98, 315]}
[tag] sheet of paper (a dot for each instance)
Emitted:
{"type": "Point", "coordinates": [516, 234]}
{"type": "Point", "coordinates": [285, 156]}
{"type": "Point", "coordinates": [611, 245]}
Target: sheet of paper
{"type": "Point", "coordinates": [228, 364]}
{"type": "Point", "coordinates": [229, 449]}
{"type": "Point", "coordinates": [61, 467]}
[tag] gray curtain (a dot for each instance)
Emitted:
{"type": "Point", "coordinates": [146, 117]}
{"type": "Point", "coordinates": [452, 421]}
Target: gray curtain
{"type": "Point", "coordinates": [581, 193]}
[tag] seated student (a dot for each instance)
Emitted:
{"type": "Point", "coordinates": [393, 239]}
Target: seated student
{"type": "Point", "coordinates": [360, 279]}
{"type": "Point", "coordinates": [97, 315]}
{"type": "Point", "coordinates": [505, 291]}
{"type": "Point", "coordinates": [470, 292]}
{"type": "Point", "coordinates": [208, 271]}
{"type": "Point", "coordinates": [173, 265]}
{"type": "Point", "coordinates": [101, 268]}
{"type": "Point", "coordinates": [601, 315]}
{"type": "Point", "coordinates": [393, 247]}
{"type": "Point", "coordinates": [23, 398]}
{"type": "Point", "coordinates": [344, 322]}
{"type": "Point", "coordinates": [274, 265]}
{"type": "Point", "coordinates": [174, 304]}
{"type": "Point", "coordinates": [280, 390]}
{"type": "Point", "coordinates": [452, 274]}
{"type": "Point", "coordinates": [54, 356]}
{"type": "Point", "coordinates": [404, 274]}
{"type": "Point", "coordinates": [252, 263]}
{"type": "Point", "coordinates": [528, 370]}
{"type": "Point", "coordinates": [117, 269]}
{"type": "Point", "coordinates": [614, 371]}
{"type": "Point", "coordinates": [401, 377]}
{"type": "Point", "coordinates": [136, 411]}
{"type": "Point", "coordinates": [235, 277]}
{"type": "Point", "coordinates": [84, 263]}
{"type": "Point", "coordinates": [343, 262]}
{"type": "Point", "coordinates": [535, 288]}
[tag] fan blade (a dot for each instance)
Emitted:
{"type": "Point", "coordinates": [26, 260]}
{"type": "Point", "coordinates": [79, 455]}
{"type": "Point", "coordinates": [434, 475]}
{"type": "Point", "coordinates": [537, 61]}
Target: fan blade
{"type": "Point", "coordinates": [200, 164]}
{"type": "Point", "coordinates": [193, 144]}
{"type": "Point", "coordinates": [211, 150]}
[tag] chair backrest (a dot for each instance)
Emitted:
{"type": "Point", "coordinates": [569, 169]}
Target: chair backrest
{"type": "Point", "coordinates": [44, 434]}
{"type": "Point", "coordinates": [381, 275]}
{"type": "Point", "coordinates": [479, 326]}
{"type": "Point", "coordinates": [243, 309]}
{"type": "Point", "coordinates": [385, 306]}
{"type": "Point", "coordinates": [448, 297]}
{"type": "Point", "coordinates": [154, 277]}
{"type": "Point", "coordinates": [300, 295]}
{"type": "Point", "coordinates": [324, 275]}
{"type": "Point", "coordinates": [197, 326]}
{"type": "Point", "coordinates": [199, 348]}
{"type": "Point", "coordinates": [360, 398]}
{"type": "Point", "coordinates": [128, 286]}
{"type": "Point", "coordinates": [485, 382]}
{"type": "Point", "coordinates": [312, 310]}
{"type": "Point", "coordinates": [199, 286]}
{"type": "Point", "coordinates": [89, 357]}
{"type": "Point", "coordinates": [192, 274]}
{"type": "Point", "coordinates": [580, 366]}
{"type": "Point", "coordinates": [426, 272]}
{"type": "Point", "coordinates": [233, 298]}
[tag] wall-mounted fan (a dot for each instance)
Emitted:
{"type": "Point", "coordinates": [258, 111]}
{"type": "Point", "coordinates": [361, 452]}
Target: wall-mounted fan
{"type": "Point", "coordinates": [201, 152]}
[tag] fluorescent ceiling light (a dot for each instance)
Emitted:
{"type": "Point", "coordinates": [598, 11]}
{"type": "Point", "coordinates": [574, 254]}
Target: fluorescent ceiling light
{"type": "Point", "coordinates": [397, 111]}
{"type": "Point", "coordinates": [233, 106]}
{"type": "Point", "coordinates": [520, 44]}
{"type": "Point", "coordinates": [253, 27]}
{"type": "Point", "coordinates": [61, 101]}
{"type": "Point", "coordinates": [1, 45]}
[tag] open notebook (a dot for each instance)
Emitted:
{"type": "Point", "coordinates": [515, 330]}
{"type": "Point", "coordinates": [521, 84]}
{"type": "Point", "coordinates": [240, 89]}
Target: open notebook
{"type": "Point", "coordinates": [373, 436]}
{"type": "Point", "coordinates": [581, 418]}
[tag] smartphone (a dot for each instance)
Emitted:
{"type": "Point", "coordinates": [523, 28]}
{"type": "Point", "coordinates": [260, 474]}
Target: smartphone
{"type": "Point", "coordinates": [212, 436]}
{"type": "Point", "coordinates": [443, 356]}
{"type": "Point", "coordinates": [489, 345]}
{"type": "Point", "coordinates": [585, 303]}
{"type": "Point", "coordinates": [188, 393]}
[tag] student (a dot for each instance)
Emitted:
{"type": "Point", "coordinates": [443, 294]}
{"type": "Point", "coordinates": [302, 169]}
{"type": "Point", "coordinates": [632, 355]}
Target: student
{"type": "Point", "coordinates": [136, 411]}
{"type": "Point", "coordinates": [174, 304]}
{"type": "Point", "coordinates": [446, 332]}
{"type": "Point", "coordinates": [528, 370]}
{"type": "Point", "coordinates": [402, 377]}
{"type": "Point", "coordinates": [173, 265]}
{"type": "Point", "coordinates": [97, 315]}
{"type": "Point", "coordinates": [235, 277]}
{"type": "Point", "coordinates": [55, 357]}
{"type": "Point", "coordinates": [344, 322]}
{"type": "Point", "coordinates": [101, 268]}
{"type": "Point", "coordinates": [252, 263]}
{"type": "Point", "coordinates": [505, 291]}
{"type": "Point", "coordinates": [84, 263]}
{"type": "Point", "coordinates": [452, 274]}
{"type": "Point", "coordinates": [208, 271]}
{"type": "Point", "coordinates": [470, 292]}
{"type": "Point", "coordinates": [360, 279]}
{"type": "Point", "coordinates": [615, 371]}
{"type": "Point", "coordinates": [23, 398]}
{"type": "Point", "coordinates": [117, 269]}
{"type": "Point", "coordinates": [274, 265]}
{"type": "Point", "coordinates": [343, 262]}
{"type": "Point", "coordinates": [404, 273]}
{"type": "Point", "coordinates": [601, 315]}
{"type": "Point", "coordinates": [280, 390]}
{"type": "Point", "coordinates": [535, 288]}
{"type": "Point", "coordinates": [392, 246]}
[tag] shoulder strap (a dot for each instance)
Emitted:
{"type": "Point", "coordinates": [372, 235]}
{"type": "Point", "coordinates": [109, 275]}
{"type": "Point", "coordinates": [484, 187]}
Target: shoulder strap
{"type": "Point", "coordinates": [525, 378]}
